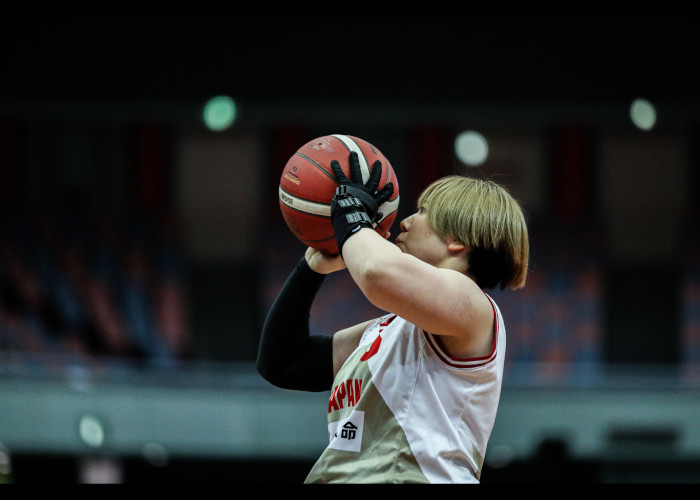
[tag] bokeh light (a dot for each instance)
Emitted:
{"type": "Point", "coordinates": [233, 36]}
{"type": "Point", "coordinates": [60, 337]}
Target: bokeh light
{"type": "Point", "coordinates": [91, 431]}
{"type": "Point", "coordinates": [219, 113]}
{"type": "Point", "coordinates": [471, 148]}
{"type": "Point", "coordinates": [643, 114]}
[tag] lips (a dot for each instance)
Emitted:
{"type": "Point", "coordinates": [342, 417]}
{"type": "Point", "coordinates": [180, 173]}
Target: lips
{"type": "Point", "coordinates": [399, 238]}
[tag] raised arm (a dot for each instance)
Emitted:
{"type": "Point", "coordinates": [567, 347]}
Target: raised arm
{"type": "Point", "coordinates": [440, 300]}
{"type": "Point", "coordinates": [423, 279]}
{"type": "Point", "coordinates": [288, 356]}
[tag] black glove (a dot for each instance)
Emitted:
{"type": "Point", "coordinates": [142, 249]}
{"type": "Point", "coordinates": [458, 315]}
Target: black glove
{"type": "Point", "coordinates": [356, 205]}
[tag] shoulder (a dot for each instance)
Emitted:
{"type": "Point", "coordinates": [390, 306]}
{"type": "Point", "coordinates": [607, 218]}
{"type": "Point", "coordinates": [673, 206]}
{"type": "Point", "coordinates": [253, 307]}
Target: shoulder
{"type": "Point", "coordinates": [346, 341]}
{"type": "Point", "coordinates": [476, 335]}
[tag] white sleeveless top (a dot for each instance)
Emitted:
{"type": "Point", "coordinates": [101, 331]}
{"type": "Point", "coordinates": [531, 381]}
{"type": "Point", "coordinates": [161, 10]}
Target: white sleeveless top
{"type": "Point", "coordinates": [403, 410]}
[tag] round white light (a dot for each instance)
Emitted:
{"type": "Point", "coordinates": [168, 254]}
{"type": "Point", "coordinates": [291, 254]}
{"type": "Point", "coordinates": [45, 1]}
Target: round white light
{"type": "Point", "coordinates": [219, 113]}
{"type": "Point", "coordinates": [643, 114]}
{"type": "Point", "coordinates": [91, 431]}
{"type": "Point", "coordinates": [471, 148]}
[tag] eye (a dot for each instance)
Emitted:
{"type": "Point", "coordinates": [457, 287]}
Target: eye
{"type": "Point", "coordinates": [421, 210]}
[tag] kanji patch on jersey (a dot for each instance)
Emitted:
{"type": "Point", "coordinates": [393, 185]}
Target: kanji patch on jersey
{"type": "Point", "coordinates": [346, 434]}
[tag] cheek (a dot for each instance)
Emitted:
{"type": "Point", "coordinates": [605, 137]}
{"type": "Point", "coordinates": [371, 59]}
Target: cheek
{"type": "Point", "coordinates": [423, 231]}
{"type": "Point", "coordinates": [423, 239]}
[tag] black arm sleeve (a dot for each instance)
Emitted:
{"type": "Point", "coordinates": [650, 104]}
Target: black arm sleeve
{"type": "Point", "coordinates": [288, 356]}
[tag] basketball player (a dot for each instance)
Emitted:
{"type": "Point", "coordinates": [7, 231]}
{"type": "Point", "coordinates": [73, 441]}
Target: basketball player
{"type": "Point", "coordinates": [414, 393]}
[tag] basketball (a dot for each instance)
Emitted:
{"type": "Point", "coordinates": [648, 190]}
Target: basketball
{"type": "Point", "coordinates": [307, 186]}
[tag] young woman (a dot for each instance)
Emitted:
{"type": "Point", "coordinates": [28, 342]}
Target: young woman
{"type": "Point", "coordinates": [414, 393]}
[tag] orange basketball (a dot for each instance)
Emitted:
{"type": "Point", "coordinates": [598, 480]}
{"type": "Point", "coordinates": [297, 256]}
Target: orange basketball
{"type": "Point", "coordinates": [307, 186]}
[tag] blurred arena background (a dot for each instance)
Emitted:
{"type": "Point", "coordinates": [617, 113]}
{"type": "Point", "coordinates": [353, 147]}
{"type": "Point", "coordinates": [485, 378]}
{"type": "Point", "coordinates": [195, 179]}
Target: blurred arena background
{"type": "Point", "coordinates": [142, 242]}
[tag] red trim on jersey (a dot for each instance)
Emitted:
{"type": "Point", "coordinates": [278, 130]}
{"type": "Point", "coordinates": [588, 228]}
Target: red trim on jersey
{"type": "Point", "coordinates": [454, 361]}
{"type": "Point", "coordinates": [383, 321]}
{"type": "Point", "coordinates": [372, 348]}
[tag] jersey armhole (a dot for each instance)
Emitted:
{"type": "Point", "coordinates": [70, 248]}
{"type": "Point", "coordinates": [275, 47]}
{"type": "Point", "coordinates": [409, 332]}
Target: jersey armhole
{"type": "Point", "coordinates": [456, 362]}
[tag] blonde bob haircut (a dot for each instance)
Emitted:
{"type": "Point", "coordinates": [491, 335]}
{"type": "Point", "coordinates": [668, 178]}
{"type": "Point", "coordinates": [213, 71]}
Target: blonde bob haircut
{"type": "Point", "coordinates": [484, 216]}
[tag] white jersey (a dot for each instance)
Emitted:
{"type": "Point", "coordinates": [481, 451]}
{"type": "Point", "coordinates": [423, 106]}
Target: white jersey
{"type": "Point", "coordinates": [403, 410]}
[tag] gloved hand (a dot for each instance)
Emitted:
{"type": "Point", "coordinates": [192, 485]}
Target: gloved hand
{"type": "Point", "coordinates": [355, 204]}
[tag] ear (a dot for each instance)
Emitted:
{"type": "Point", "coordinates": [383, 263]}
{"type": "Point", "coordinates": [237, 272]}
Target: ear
{"type": "Point", "coordinates": [455, 246]}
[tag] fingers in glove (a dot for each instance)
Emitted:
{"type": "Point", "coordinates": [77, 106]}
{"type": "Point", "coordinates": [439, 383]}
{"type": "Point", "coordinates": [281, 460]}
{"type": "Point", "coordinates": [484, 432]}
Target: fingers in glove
{"type": "Point", "coordinates": [374, 177]}
{"type": "Point", "coordinates": [338, 172]}
{"type": "Point", "coordinates": [355, 171]}
{"type": "Point", "coordinates": [384, 194]}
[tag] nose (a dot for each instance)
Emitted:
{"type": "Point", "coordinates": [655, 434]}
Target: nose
{"type": "Point", "coordinates": [406, 223]}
